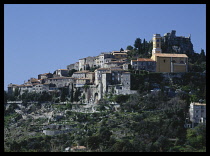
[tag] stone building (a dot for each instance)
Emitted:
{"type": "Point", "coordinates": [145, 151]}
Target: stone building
{"type": "Point", "coordinates": [171, 62]}
{"type": "Point", "coordinates": [197, 113]}
{"type": "Point", "coordinates": [120, 55]}
{"type": "Point", "coordinates": [104, 58]}
{"type": "Point", "coordinates": [87, 63]}
{"type": "Point", "coordinates": [25, 88]}
{"type": "Point", "coordinates": [11, 88]}
{"type": "Point", "coordinates": [80, 82]}
{"type": "Point", "coordinates": [61, 72]}
{"type": "Point", "coordinates": [80, 74]}
{"type": "Point", "coordinates": [85, 74]}
{"type": "Point", "coordinates": [60, 81]}
{"type": "Point", "coordinates": [39, 88]}
{"type": "Point", "coordinates": [98, 74]}
{"type": "Point", "coordinates": [166, 62]}
{"type": "Point", "coordinates": [144, 64]}
{"type": "Point", "coordinates": [45, 76]}
{"type": "Point", "coordinates": [73, 66]}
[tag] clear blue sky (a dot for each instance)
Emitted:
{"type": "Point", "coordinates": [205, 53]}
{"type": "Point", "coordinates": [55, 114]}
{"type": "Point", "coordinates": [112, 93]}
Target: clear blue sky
{"type": "Point", "coordinates": [40, 38]}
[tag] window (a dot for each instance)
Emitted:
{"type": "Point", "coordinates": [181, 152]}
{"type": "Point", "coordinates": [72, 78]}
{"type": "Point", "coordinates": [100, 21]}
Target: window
{"type": "Point", "coordinates": [157, 45]}
{"type": "Point", "coordinates": [157, 40]}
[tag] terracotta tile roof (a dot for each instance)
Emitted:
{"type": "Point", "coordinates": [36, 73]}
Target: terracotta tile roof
{"type": "Point", "coordinates": [170, 55]}
{"type": "Point", "coordinates": [35, 80]}
{"type": "Point", "coordinates": [145, 59]}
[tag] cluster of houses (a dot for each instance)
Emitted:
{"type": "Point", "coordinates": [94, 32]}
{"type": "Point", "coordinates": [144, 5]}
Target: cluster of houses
{"type": "Point", "coordinates": [105, 73]}
{"type": "Point", "coordinates": [108, 72]}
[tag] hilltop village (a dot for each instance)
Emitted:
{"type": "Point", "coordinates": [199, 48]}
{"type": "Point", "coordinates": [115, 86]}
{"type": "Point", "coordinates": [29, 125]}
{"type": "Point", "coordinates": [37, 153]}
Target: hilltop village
{"type": "Point", "coordinates": [133, 100]}
{"type": "Point", "coordinates": [108, 72]}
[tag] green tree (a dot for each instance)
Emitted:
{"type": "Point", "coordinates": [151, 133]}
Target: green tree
{"type": "Point", "coordinates": [137, 44]}
{"type": "Point", "coordinates": [196, 137]}
{"type": "Point", "coordinates": [129, 47]}
{"type": "Point", "coordinates": [76, 95]}
{"type": "Point", "coordinates": [93, 142]}
{"type": "Point", "coordinates": [64, 93]}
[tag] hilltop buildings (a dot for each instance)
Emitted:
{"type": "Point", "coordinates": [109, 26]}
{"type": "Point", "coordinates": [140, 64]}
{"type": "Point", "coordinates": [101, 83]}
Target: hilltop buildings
{"type": "Point", "coordinates": [166, 62]}
{"type": "Point", "coordinates": [105, 73]}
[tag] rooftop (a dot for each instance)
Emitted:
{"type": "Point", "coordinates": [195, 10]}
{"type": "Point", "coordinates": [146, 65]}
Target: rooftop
{"type": "Point", "coordinates": [198, 104]}
{"type": "Point", "coordinates": [103, 69]}
{"type": "Point", "coordinates": [61, 78]}
{"type": "Point", "coordinates": [83, 71]}
{"type": "Point", "coordinates": [170, 55]}
{"type": "Point", "coordinates": [145, 59]}
{"type": "Point", "coordinates": [62, 69]}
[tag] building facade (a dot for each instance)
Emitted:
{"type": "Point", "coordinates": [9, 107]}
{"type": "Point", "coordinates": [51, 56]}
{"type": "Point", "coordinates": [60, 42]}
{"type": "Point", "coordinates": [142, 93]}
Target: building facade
{"type": "Point", "coordinates": [167, 62]}
{"type": "Point", "coordinates": [144, 64]}
{"type": "Point", "coordinates": [197, 113]}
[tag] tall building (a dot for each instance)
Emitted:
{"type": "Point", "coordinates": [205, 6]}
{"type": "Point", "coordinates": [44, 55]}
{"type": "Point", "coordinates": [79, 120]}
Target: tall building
{"type": "Point", "coordinates": [156, 44]}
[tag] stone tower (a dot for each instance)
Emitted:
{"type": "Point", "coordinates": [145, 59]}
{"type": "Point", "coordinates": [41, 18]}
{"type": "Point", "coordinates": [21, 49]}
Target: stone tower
{"type": "Point", "coordinates": [156, 44]}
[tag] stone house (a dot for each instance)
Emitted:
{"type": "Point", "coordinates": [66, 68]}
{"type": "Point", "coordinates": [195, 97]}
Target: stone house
{"type": "Point", "coordinates": [61, 72]}
{"type": "Point", "coordinates": [114, 64]}
{"type": "Point", "coordinates": [144, 64]}
{"type": "Point", "coordinates": [86, 63]}
{"type": "Point", "coordinates": [45, 76]}
{"type": "Point", "coordinates": [104, 58]}
{"type": "Point", "coordinates": [70, 67]}
{"type": "Point", "coordinates": [91, 76]}
{"type": "Point", "coordinates": [98, 74]}
{"type": "Point", "coordinates": [73, 66]}
{"type": "Point", "coordinates": [80, 82]}
{"type": "Point", "coordinates": [80, 74]}
{"type": "Point", "coordinates": [60, 81]}
{"type": "Point", "coordinates": [11, 88]}
{"type": "Point", "coordinates": [25, 87]}
{"type": "Point", "coordinates": [120, 55]}
{"type": "Point", "coordinates": [197, 113]}
{"type": "Point", "coordinates": [39, 88]}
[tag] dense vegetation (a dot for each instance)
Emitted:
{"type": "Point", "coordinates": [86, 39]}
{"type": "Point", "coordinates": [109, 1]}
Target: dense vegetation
{"type": "Point", "coordinates": [150, 122]}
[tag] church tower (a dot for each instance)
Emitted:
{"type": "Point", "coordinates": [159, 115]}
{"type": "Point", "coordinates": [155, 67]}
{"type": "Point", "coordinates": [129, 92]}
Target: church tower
{"type": "Point", "coordinates": [156, 44]}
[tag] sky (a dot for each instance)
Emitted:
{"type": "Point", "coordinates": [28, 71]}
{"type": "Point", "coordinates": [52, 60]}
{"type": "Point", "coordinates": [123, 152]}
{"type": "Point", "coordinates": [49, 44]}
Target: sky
{"type": "Point", "coordinates": [41, 38]}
